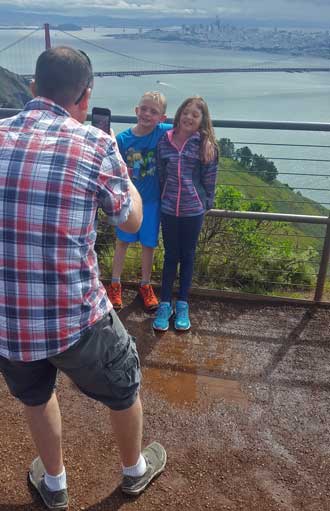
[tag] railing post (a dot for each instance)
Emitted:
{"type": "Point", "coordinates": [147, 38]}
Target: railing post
{"type": "Point", "coordinates": [47, 36]}
{"type": "Point", "coordinates": [323, 266]}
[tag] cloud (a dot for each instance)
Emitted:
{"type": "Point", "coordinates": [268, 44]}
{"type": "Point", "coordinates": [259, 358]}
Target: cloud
{"type": "Point", "coordinates": [294, 10]}
{"type": "Point", "coordinates": [115, 7]}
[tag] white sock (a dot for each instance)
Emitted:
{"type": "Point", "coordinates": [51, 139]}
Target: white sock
{"type": "Point", "coordinates": [136, 470]}
{"type": "Point", "coordinates": [144, 282]}
{"type": "Point", "coordinates": [56, 483]}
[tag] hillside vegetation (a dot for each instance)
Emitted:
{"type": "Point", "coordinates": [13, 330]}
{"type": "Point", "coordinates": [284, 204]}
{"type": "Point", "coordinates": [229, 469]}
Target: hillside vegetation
{"type": "Point", "coordinates": [280, 197]}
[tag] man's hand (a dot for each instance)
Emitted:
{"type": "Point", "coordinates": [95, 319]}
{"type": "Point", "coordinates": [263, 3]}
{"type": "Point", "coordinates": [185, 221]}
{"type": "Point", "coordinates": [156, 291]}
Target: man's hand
{"type": "Point", "coordinates": [134, 220]}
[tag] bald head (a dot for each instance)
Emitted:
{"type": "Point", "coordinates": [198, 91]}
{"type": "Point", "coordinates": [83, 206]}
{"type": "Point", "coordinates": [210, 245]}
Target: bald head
{"type": "Point", "coordinates": [63, 75]}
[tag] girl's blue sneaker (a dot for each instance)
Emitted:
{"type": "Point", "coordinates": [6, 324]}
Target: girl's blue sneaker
{"type": "Point", "coordinates": [182, 321]}
{"type": "Point", "coordinates": [163, 314]}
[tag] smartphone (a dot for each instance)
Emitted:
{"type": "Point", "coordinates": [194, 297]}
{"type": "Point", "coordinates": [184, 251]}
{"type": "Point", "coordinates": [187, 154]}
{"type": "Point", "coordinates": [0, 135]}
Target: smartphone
{"type": "Point", "coordinates": [101, 118]}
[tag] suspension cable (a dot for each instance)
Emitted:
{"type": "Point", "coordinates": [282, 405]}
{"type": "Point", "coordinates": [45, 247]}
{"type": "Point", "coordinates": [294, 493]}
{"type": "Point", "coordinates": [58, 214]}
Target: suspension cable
{"type": "Point", "coordinates": [100, 47]}
{"type": "Point", "coordinates": [19, 40]}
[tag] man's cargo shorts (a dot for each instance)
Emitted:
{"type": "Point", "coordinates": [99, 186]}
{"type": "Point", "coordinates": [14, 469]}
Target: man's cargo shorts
{"type": "Point", "coordinates": [104, 365]}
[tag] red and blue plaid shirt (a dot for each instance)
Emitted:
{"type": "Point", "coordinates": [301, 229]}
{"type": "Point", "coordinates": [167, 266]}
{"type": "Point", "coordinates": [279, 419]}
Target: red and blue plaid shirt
{"type": "Point", "coordinates": [54, 175]}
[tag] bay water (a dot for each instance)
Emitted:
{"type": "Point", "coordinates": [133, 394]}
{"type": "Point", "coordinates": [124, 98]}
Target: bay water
{"type": "Point", "coordinates": [303, 97]}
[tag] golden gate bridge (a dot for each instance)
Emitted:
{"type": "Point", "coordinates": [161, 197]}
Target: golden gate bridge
{"type": "Point", "coordinates": [177, 71]}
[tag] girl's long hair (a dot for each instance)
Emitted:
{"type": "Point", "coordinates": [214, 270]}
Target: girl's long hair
{"type": "Point", "coordinates": [209, 146]}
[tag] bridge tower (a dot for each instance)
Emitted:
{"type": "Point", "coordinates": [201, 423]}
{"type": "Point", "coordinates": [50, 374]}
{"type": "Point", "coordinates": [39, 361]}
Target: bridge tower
{"type": "Point", "coordinates": [47, 36]}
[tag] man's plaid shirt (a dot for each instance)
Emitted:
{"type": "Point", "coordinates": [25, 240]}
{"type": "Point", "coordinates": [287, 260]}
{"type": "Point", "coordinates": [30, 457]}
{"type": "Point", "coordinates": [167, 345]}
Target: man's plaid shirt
{"type": "Point", "coordinates": [54, 175]}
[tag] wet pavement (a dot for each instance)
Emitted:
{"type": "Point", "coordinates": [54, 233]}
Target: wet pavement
{"type": "Point", "coordinates": [241, 403]}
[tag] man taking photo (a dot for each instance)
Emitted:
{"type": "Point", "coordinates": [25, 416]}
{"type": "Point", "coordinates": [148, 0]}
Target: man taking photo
{"type": "Point", "coordinates": [54, 311]}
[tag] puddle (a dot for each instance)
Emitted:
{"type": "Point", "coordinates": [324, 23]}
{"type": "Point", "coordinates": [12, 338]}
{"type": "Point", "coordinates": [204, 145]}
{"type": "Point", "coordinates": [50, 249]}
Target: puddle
{"type": "Point", "coordinates": [180, 388]}
{"type": "Point", "coordinates": [191, 353]}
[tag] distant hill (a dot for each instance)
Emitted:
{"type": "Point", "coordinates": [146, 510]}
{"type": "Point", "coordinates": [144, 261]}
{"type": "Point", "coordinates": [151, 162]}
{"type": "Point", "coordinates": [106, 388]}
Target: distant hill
{"type": "Point", "coordinates": [70, 27]}
{"type": "Point", "coordinates": [14, 90]}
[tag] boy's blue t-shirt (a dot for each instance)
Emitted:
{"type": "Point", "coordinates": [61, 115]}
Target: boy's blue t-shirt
{"type": "Point", "coordinates": [139, 154]}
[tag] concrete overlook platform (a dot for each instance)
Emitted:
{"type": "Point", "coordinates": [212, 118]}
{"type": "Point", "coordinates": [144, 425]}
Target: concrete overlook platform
{"type": "Point", "coordinates": [241, 403]}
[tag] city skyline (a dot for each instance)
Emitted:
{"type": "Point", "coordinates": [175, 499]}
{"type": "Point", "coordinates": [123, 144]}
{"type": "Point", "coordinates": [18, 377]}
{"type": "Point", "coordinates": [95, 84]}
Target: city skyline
{"type": "Point", "coordinates": [296, 12]}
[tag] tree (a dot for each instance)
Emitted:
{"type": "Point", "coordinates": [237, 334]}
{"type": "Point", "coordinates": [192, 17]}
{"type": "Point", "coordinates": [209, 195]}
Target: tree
{"type": "Point", "coordinates": [271, 172]}
{"type": "Point", "coordinates": [227, 148]}
{"type": "Point", "coordinates": [258, 164]}
{"type": "Point", "coordinates": [244, 156]}
{"type": "Point", "coordinates": [263, 168]}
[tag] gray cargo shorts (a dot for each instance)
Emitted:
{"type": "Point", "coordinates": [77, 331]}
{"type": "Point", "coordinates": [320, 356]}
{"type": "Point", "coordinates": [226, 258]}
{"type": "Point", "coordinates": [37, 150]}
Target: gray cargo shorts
{"type": "Point", "coordinates": [104, 365]}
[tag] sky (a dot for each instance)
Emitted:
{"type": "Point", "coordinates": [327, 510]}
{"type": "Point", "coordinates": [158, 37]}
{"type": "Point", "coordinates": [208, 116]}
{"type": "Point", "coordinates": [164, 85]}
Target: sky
{"type": "Point", "coordinates": [311, 11]}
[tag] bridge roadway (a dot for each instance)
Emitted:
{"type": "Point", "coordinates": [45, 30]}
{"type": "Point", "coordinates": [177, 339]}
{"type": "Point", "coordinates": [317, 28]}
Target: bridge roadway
{"type": "Point", "coordinates": [183, 71]}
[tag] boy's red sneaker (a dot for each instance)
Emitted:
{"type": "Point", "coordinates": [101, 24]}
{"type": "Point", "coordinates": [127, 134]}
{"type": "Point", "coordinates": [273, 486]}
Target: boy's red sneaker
{"type": "Point", "coordinates": [114, 293]}
{"type": "Point", "coordinates": [148, 297]}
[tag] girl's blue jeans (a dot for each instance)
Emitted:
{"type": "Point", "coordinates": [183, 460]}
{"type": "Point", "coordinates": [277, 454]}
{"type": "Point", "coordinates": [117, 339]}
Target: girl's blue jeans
{"type": "Point", "coordinates": [180, 236]}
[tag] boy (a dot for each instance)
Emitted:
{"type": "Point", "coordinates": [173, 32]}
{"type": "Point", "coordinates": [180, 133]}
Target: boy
{"type": "Point", "coordinates": [137, 146]}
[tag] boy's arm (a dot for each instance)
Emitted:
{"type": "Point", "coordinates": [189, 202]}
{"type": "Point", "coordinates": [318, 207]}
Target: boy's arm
{"type": "Point", "coordinates": [119, 141]}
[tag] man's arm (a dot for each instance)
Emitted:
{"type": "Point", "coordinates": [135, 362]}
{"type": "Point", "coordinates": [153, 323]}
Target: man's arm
{"type": "Point", "coordinates": [134, 220]}
{"type": "Point", "coordinates": [117, 195]}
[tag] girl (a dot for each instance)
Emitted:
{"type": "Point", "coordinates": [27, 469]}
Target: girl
{"type": "Point", "coordinates": [187, 163]}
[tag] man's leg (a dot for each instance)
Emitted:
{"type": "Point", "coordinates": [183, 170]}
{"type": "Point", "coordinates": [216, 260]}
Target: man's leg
{"type": "Point", "coordinates": [33, 384]}
{"type": "Point", "coordinates": [45, 426]}
{"type": "Point", "coordinates": [104, 364]}
{"type": "Point", "coordinates": [46, 429]}
{"type": "Point", "coordinates": [127, 426]}
{"type": "Point", "coordinates": [139, 467]}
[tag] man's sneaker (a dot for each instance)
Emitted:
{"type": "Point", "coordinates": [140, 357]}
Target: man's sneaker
{"type": "Point", "coordinates": [182, 321]}
{"type": "Point", "coordinates": [148, 297]}
{"type": "Point", "coordinates": [114, 293]}
{"type": "Point", "coordinates": [163, 314]}
{"type": "Point", "coordinates": [52, 499]}
{"type": "Point", "coordinates": [155, 456]}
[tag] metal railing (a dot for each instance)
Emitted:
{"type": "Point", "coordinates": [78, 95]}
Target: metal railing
{"type": "Point", "coordinates": [315, 291]}
{"type": "Point", "coordinates": [300, 219]}
{"type": "Point", "coordinates": [261, 125]}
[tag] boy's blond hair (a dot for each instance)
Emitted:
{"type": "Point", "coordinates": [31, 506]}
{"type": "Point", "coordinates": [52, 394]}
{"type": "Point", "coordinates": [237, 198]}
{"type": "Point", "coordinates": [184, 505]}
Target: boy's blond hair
{"type": "Point", "coordinates": [157, 97]}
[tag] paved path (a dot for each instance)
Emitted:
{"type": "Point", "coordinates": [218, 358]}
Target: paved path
{"type": "Point", "coordinates": [241, 403]}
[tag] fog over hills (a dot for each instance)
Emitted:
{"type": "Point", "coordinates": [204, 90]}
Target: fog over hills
{"type": "Point", "coordinates": [10, 15]}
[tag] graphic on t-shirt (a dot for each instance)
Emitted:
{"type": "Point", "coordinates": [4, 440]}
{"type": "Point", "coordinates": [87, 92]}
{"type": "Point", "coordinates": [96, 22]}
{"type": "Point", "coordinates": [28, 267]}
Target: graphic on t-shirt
{"type": "Point", "coordinates": [140, 164]}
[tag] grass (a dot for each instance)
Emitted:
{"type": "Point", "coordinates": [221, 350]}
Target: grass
{"type": "Point", "coordinates": [282, 199]}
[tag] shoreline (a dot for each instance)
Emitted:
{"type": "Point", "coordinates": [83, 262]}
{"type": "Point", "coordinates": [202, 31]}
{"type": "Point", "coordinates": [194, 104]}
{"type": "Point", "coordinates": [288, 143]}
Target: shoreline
{"type": "Point", "coordinates": [202, 44]}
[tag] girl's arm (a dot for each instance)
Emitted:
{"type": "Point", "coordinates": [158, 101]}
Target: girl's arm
{"type": "Point", "coordinates": [209, 178]}
{"type": "Point", "coordinates": [161, 167]}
